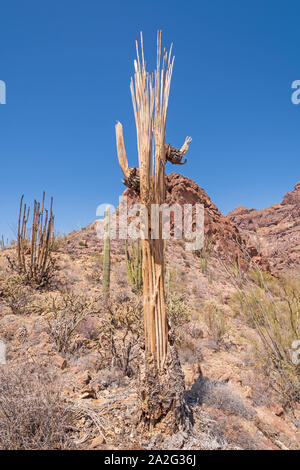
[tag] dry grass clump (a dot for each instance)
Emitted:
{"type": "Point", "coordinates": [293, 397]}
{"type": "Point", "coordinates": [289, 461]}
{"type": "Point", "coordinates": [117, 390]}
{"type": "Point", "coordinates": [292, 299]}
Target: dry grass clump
{"type": "Point", "coordinates": [32, 414]}
{"type": "Point", "coordinates": [272, 308]}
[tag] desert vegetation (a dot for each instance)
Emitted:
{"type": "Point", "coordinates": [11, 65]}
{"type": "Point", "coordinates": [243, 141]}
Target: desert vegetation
{"type": "Point", "coordinates": [150, 104]}
{"type": "Point", "coordinates": [271, 308]}
{"type": "Point", "coordinates": [81, 348]}
{"type": "Point", "coordinates": [3, 243]}
{"type": "Point", "coordinates": [33, 416]}
{"type": "Point", "coordinates": [37, 242]}
{"type": "Point", "coordinates": [142, 344]}
{"type": "Point", "coordinates": [133, 255]}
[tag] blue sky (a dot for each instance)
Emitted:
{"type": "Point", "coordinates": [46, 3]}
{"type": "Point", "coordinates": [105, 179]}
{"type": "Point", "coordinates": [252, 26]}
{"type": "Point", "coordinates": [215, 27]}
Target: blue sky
{"type": "Point", "coordinates": [67, 66]}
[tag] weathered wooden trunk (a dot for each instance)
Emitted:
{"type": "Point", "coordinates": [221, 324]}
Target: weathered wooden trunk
{"type": "Point", "coordinates": [161, 393]}
{"type": "Point", "coordinates": [161, 380]}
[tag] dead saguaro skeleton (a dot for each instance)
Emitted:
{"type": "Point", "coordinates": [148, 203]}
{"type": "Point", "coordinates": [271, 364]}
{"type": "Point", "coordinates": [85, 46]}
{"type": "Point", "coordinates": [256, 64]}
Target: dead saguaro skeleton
{"type": "Point", "coordinates": [161, 377]}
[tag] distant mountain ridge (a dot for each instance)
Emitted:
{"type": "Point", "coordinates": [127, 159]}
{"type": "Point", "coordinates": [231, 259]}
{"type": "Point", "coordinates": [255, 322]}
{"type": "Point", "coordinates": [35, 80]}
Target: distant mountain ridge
{"type": "Point", "coordinates": [275, 230]}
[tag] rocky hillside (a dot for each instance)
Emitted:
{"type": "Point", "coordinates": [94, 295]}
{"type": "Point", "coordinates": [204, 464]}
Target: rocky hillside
{"type": "Point", "coordinates": [74, 374]}
{"type": "Point", "coordinates": [274, 230]}
{"type": "Point", "coordinates": [227, 240]}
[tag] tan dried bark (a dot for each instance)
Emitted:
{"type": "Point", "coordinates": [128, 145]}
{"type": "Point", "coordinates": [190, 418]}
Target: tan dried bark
{"type": "Point", "coordinates": [161, 378]}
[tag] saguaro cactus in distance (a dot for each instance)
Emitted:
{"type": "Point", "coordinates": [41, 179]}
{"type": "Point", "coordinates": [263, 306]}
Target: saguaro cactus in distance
{"type": "Point", "coordinates": [161, 377]}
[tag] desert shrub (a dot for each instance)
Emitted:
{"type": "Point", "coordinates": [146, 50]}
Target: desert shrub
{"type": "Point", "coordinates": [89, 328]}
{"type": "Point", "coordinates": [194, 331]}
{"type": "Point", "coordinates": [178, 310]}
{"type": "Point", "coordinates": [184, 333]}
{"type": "Point", "coordinates": [189, 352]}
{"type": "Point", "coordinates": [109, 378]}
{"type": "Point", "coordinates": [237, 271]}
{"type": "Point", "coordinates": [3, 243]}
{"type": "Point", "coordinates": [121, 330]}
{"type": "Point", "coordinates": [95, 276]}
{"type": "Point", "coordinates": [175, 281]}
{"type": "Point", "coordinates": [204, 254]}
{"type": "Point", "coordinates": [181, 243]}
{"type": "Point", "coordinates": [57, 241]}
{"type": "Point", "coordinates": [32, 414]}
{"type": "Point", "coordinates": [220, 395]}
{"type": "Point", "coordinates": [97, 257]}
{"type": "Point", "coordinates": [274, 313]}
{"type": "Point", "coordinates": [262, 279]}
{"type": "Point", "coordinates": [64, 316]}
{"type": "Point", "coordinates": [217, 324]}
{"type": "Point", "coordinates": [15, 294]}
{"type": "Point", "coordinates": [237, 303]}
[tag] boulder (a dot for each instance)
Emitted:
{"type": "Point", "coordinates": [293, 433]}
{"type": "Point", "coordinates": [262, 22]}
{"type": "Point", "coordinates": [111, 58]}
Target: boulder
{"type": "Point", "coordinates": [2, 352]}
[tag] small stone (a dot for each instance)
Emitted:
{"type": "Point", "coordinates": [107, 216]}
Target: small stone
{"type": "Point", "coordinates": [84, 379]}
{"type": "Point", "coordinates": [2, 352]}
{"type": "Point", "coordinates": [97, 442]}
{"type": "Point", "coordinates": [60, 362]}
{"type": "Point", "coordinates": [278, 410]}
{"type": "Point", "coordinates": [88, 394]}
{"type": "Point", "coordinates": [248, 392]}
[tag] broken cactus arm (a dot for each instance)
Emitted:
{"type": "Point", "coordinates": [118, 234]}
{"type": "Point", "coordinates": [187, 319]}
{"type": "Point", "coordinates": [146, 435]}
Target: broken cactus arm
{"type": "Point", "coordinates": [174, 155]}
{"type": "Point", "coordinates": [131, 174]}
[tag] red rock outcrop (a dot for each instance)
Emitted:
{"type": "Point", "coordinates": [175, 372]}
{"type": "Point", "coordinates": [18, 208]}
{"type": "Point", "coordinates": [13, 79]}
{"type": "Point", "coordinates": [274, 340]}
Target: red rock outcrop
{"type": "Point", "coordinates": [228, 240]}
{"type": "Point", "coordinates": [276, 230]}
